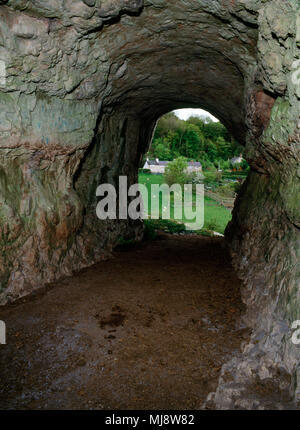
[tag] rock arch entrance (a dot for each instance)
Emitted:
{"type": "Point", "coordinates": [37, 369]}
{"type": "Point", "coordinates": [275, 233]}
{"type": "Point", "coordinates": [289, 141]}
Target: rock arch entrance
{"type": "Point", "coordinates": [81, 91]}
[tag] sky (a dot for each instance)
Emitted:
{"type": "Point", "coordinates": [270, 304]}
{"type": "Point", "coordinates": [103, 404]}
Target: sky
{"type": "Point", "coordinates": [186, 113]}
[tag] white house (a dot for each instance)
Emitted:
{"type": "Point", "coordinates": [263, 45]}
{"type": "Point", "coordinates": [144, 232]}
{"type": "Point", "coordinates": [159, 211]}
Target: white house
{"type": "Point", "coordinates": [237, 160]}
{"type": "Point", "coordinates": [157, 166]}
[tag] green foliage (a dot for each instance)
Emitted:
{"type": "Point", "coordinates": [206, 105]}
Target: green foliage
{"type": "Point", "coordinates": [218, 177]}
{"type": "Point", "coordinates": [212, 225]}
{"type": "Point", "coordinates": [149, 229]}
{"type": "Point", "coordinates": [124, 244]}
{"type": "Point", "coordinates": [161, 149]}
{"type": "Point", "coordinates": [198, 138]}
{"type": "Point", "coordinates": [245, 166]}
{"type": "Point", "coordinates": [194, 178]}
{"type": "Point", "coordinates": [225, 165]}
{"type": "Point", "coordinates": [175, 172]}
{"type": "Point", "coordinates": [205, 232]}
{"type": "Point", "coordinates": [227, 190]}
{"type": "Point", "coordinates": [241, 175]}
{"type": "Point", "coordinates": [230, 189]}
{"type": "Point", "coordinates": [238, 186]}
{"type": "Point", "coordinates": [166, 225]}
{"type": "Point", "coordinates": [208, 165]}
{"type": "Point", "coordinates": [211, 167]}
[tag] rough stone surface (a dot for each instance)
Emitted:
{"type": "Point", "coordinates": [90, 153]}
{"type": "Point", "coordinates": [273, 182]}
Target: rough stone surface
{"type": "Point", "coordinates": [85, 84]}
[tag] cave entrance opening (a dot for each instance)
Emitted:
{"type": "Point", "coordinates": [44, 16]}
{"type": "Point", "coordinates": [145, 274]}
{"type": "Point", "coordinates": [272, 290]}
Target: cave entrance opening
{"type": "Point", "coordinates": [194, 147]}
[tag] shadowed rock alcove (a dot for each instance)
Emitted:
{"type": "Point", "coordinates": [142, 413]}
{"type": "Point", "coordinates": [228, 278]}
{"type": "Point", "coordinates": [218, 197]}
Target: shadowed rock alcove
{"type": "Point", "coordinates": [84, 86]}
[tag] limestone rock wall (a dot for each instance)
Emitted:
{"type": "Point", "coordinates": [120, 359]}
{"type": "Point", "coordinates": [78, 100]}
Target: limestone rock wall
{"type": "Point", "coordinates": [77, 75]}
{"type": "Point", "coordinates": [84, 84]}
{"type": "Point", "coordinates": [264, 234]}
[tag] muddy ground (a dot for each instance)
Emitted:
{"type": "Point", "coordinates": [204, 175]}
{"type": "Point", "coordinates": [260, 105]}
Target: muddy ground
{"type": "Point", "coordinates": [148, 329]}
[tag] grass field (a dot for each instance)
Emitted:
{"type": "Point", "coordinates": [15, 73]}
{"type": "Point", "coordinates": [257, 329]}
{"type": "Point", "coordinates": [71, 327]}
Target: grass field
{"type": "Point", "coordinates": [216, 216]}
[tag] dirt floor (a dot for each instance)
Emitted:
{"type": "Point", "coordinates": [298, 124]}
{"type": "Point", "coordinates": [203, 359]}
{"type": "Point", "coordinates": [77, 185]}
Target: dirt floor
{"type": "Point", "coordinates": [148, 329]}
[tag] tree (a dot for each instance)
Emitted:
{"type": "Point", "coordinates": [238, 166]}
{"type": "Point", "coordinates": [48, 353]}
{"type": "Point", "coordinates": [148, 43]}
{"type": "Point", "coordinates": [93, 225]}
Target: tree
{"type": "Point", "coordinates": [211, 150]}
{"type": "Point", "coordinates": [161, 149]}
{"type": "Point", "coordinates": [193, 141]}
{"type": "Point", "coordinates": [224, 148]}
{"type": "Point", "coordinates": [176, 172]}
{"type": "Point", "coordinates": [198, 139]}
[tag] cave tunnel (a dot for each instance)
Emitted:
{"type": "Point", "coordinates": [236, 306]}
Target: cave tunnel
{"type": "Point", "coordinates": [81, 89]}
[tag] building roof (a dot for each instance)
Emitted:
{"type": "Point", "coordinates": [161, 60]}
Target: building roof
{"type": "Point", "coordinates": [236, 160]}
{"type": "Point", "coordinates": [157, 163]}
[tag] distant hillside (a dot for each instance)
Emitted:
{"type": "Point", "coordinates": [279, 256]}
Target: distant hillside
{"type": "Point", "coordinates": [198, 138]}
